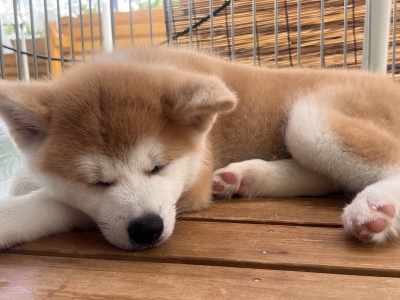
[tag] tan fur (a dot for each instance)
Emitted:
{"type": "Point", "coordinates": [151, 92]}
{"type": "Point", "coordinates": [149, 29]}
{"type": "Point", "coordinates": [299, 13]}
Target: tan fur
{"type": "Point", "coordinates": [111, 103]}
{"type": "Point", "coordinates": [257, 125]}
{"type": "Point", "coordinates": [131, 138]}
{"type": "Point", "coordinates": [199, 195]}
{"type": "Point", "coordinates": [357, 135]}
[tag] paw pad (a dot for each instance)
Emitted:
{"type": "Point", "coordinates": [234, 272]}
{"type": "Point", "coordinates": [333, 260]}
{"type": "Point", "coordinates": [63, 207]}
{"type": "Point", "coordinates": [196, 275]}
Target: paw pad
{"type": "Point", "coordinates": [229, 177]}
{"type": "Point", "coordinates": [367, 230]}
{"type": "Point", "coordinates": [370, 222]}
{"type": "Point", "coordinates": [227, 184]}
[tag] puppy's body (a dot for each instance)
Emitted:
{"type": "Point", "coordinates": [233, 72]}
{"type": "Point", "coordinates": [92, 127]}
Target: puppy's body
{"type": "Point", "coordinates": [128, 137]}
{"type": "Point", "coordinates": [265, 97]}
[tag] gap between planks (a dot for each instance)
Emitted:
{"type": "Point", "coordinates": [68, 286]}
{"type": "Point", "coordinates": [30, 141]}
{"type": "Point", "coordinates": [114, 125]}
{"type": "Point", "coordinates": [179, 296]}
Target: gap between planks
{"type": "Point", "coordinates": [301, 211]}
{"type": "Point", "coordinates": [294, 248]}
{"type": "Point", "coordinates": [66, 278]}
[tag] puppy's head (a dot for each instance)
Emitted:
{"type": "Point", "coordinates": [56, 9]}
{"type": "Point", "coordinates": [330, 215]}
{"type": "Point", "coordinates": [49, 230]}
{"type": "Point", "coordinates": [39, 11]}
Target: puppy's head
{"type": "Point", "coordinates": [119, 141]}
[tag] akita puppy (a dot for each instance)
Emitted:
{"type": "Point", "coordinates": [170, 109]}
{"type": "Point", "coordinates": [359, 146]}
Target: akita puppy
{"type": "Point", "coordinates": [127, 138]}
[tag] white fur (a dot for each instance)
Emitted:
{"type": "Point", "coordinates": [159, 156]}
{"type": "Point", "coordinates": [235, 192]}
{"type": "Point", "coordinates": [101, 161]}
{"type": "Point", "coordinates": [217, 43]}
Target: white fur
{"type": "Point", "coordinates": [281, 178]}
{"type": "Point", "coordinates": [314, 146]}
{"type": "Point", "coordinates": [41, 204]}
{"type": "Point", "coordinates": [30, 213]}
{"type": "Point", "coordinates": [60, 204]}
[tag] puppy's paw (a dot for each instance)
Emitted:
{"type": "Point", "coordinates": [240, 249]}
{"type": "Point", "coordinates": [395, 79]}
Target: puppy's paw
{"type": "Point", "coordinates": [235, 179]}
{"type": "Point", "coordinates": [7, 244]}
{"type": "Point", "coordinates": [373, 216]}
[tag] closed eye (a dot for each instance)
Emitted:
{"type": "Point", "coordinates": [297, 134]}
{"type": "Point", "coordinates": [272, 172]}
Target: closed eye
{"type": "Point", "coordinates": [103, 184]}
{"type": "Point", "coordinates": [157, 169]}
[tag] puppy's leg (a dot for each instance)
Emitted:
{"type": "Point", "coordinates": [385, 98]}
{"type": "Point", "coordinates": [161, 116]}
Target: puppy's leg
{"type": "Point", "coordinates": [34, 215]}
{"type": "Point", "coordinates": [259, 178]}
{"type": "Point", "coordinates": [23, 182]}
{"type": "Point", "coordinates": [357, 154]}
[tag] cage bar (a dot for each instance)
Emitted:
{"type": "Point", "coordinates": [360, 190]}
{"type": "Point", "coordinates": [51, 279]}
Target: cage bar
{"type": "Point", "coordinates": [99, 12]}
{"type": "Point", "coordinates": [254, 20]}
{"type": "Point", "coordinates": [212, 25]}
{"type": "Point", "coordinates": [394, 38]}
{"type": "Point", "coordinates": [46, 20]}
{"type": "Point", "coordinates": [130, 20]}
{"type": "Point", "coordinates": [151, 23]}
{"type": "Point", "coordinates": [112, 21]}
{"type": "Point", "coordinates": [376, 36]}
{"type": "Point", "coordinates": [35, 72]}
{"type": "Point", "coordinates": [322, 36]}
{"type": "Point", "coordinates": [71, 31]}
{"type": "Point", "coordinates": [24, 58]}
{"type": "Point", "coordinates": [17, 41]}
{"type": "Point", "coordinates": [242, 37]}
{"type": "Point", "coordinates": [91, 24]}
{"type": "Point", "coordinates": [345, 28]}
{"type": "Point", "coordinates": [190, 24]}
{"type": "Point", "coordinates": [59, 35]}
{"type": "Point", "coordinates": [233, 29]}
{"type": "Point", "coordinates": [276, 32]}
{"type": "Point", "coordinates": [298, 33]}
{"type": "Point", "coordinates": [82, 33]}
{"type": "Point", "coordinates": [106, 23]}
{"type": "Point", "coordinates": [169, 22]}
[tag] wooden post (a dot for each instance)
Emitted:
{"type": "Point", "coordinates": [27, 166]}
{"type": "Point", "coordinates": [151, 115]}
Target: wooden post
{"type": "Point", "coordinates": [55, 49]}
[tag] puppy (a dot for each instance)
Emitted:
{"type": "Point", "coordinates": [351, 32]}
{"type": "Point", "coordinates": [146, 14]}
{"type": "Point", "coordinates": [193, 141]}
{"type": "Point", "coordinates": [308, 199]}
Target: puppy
{"type": "Point", "coordinates": [127, 138]}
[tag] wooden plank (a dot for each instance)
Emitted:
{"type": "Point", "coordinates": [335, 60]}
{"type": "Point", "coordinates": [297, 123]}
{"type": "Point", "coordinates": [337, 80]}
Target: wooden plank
{"type": "Point", "coordinates": [55, 50]}
{"type": "Point", "coordinates": [30, 277]}
{"type": "Point", "coordinates": [315, 249]}
{"type": "Point", "coordinates": [138, 17]}
{"type": "Point", "coordinates": [141, 29]}
{"type": "Point", "coordinates": [293, 211]}
{"type": "Point", "coordinates": [123, 30]}
{"type": "Point", "coordinates": [10, 60]}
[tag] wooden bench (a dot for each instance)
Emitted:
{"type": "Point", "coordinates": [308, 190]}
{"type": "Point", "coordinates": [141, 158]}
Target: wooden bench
{"type": "Point", "coordinates": [290, 248]}
{"type": "Point", "coordinates": [141, 36]}
{"type": "Point", "coordinates": [10, 62]}
{"type": "Point", "coordinates": [141, 31]}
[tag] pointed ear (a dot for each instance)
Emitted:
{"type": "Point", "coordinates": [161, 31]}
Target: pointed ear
{"type": "Point", "coordinates": [196, 100]}
{"type": "Point", "coordinates": [24, 115]}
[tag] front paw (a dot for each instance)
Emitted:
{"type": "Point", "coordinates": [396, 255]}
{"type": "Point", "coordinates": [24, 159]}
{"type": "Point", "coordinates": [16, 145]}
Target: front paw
{"type": "Point", "coordinates": [373, 216]}
{"type": "Point", "coordinates": [8, 235]}
{"type": "Point", "coordinates": [6, 244]}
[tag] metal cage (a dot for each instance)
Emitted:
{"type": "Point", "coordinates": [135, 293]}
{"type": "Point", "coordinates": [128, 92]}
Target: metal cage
{"type": "Point", "coordinates": [41, 38]}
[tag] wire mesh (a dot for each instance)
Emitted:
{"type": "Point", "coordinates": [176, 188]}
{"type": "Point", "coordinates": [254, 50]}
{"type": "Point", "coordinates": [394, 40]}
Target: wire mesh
{"type": "Point", "coordinates": [272, 33]}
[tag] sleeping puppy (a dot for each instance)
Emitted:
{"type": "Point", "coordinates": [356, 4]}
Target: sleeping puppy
{"type": "Point", "coordinates": [126, 138]}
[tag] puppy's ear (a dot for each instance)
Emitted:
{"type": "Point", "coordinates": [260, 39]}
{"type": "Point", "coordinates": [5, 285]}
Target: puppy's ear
{"type": "Point", "coordinates": [25, 116]}
{"type": "Point", "coordinates": [195, 100]}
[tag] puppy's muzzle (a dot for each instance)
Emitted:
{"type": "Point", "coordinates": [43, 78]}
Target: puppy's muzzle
{"type": "Point", "coordinates": [146, 229]}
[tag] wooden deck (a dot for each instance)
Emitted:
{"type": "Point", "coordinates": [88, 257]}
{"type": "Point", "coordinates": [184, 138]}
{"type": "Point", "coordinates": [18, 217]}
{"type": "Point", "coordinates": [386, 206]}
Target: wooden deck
{"type": "Point", "coordinates": [239, 249]}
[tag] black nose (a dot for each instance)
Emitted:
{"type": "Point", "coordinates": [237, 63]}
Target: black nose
{"type": "Point", "coordinates": [146, 229]}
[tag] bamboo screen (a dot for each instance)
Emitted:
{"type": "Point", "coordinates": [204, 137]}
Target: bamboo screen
{"type": "Point", "coordinates": [286, 35]}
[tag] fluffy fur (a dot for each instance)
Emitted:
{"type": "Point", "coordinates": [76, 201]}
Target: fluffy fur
{"type": "Point", "coordinates": [131, 138]}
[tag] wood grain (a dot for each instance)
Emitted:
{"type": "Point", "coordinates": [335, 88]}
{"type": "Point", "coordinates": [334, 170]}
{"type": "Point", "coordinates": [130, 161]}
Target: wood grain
{"type": "Point", "coordinates": [289, 211]}
{"type": "Point", "coordinates": [30, 277]}
{"type": "Point", "coordinates": [316, 249]}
